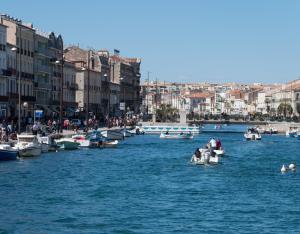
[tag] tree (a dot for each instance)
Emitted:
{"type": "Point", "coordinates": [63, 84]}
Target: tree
{"type": "Point", "coordinates": [166, 113]}
{"type": "Point", "coordinates": [284, 109]}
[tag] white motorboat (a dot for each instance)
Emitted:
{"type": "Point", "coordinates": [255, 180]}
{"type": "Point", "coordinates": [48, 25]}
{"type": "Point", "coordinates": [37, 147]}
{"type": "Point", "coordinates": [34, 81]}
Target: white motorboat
{"type": "Point", "coordinates": [203, 157]}
{"type": "Point", "coordinates": [81, 139]}
{"type": "Point", "coordinates": [220, 152]}
{"type": "Point", "coordinates": [28, 146]}
{"type": "Point", "coordinates": [252, 136]}
{"type": "Point", "coordinates": [271, 130]}
{"type": "Point", "coordinates": [113, 134]}
{"type": "Point", "coordinates": [127, 133]}
{"type": "Point", "coordinates": [48, 143]}
{"type": "Point", "coordinates": [176, 136]}
{"type": "Point", "coordinates": [292, 133]}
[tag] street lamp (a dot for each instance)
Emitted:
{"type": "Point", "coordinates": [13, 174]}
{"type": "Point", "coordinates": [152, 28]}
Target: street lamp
{"type": "Point", "coordinates": [18, 71]}
{"type": "Point", "coordinates": [108, 100]}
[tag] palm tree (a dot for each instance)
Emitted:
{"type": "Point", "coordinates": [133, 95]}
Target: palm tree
{"type": "Point", "coordinates": [166, 113]}
{"type": "Point", "coordinates": [284, 108]}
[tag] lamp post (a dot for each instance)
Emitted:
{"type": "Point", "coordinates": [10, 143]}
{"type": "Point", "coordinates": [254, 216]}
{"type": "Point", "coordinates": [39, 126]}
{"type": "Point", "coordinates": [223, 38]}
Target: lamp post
{"type": "Point", "coordinates": [88, 87]}
{"type": "Point", "coordinates": [108, 99]}
{"type": "Point", "coordinates": [18, 71]}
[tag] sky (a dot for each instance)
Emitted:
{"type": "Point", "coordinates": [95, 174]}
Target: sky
{"type": "Point", "coordinates": [180, 41]}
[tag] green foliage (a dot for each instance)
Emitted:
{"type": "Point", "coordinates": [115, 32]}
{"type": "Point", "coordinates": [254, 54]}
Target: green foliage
{"type": "Point", "coordinates": [285, 109]}
{"type": "Point", "coordinates": [166, 113]}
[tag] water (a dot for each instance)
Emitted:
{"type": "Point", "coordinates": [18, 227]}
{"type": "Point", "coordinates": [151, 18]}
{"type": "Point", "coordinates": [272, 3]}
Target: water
{"type": "Point", "coordinates": [147, 185]}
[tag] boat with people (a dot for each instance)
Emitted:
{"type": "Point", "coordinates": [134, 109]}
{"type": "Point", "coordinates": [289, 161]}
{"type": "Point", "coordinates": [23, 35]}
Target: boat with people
{"type": "Point", "coordinates": [98, 141]}
{"type": "Point", "coordinates": [271, 131]}
{"type": "Point", "coordinates": [28, 145]}
{"type": "Point", "coordinates": [209, 154]}
{"type": "Point", "coordinates": [167, 135]}
{"type": "Point", "coordinates": [252, 134]}
{"type": "Point", "coordinates": [7, 152]}
{"type": "Point", "coordinates": [203, 156]}
{"type": "Point", "coordinates": [292, 132]}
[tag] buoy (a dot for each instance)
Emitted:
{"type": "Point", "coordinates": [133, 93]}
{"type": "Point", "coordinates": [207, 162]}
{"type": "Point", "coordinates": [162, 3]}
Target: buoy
{"type": "Point", "coordinates": [292, 166]}
{"type": "Point", "coordinates": [283, 169]}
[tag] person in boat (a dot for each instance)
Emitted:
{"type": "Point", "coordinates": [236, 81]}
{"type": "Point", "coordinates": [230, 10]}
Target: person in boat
{"type": "Point", "coordinates": [213, 146]}
{"type": "Point", "coordinates": [181, 133]}
{"type": "Point", "coordinates": [198, 153]}
{"type": "Point", "coordinates": [167, 132]}
{"type": "Point", "coordinates": [218, 144]}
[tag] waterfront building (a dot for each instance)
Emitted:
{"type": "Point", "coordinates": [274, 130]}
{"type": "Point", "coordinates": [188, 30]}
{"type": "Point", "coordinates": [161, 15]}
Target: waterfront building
{"type": "Point", "coordinates": [126, 72]}
{"type": "Point", "coordinates": [42, 72]}
{"type": "Point", "coordinates": [4, 74]}
{"type": "Point", "coordinates": [88, 79]}
{"type": "Point", "coordinates": [21, 36]}
{"type": "Point", "coordinates": [69, 89]}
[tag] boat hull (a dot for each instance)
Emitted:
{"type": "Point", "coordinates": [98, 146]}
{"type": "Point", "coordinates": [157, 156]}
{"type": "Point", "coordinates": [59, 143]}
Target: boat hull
{"type": "Point", "coordinates": [6, 155]}
{"type": "Point", "coordinates": [30, 151]}
{"type": "Point", "coordinates": [67, 145]}
{"type": "Point", "coordinates": [113, 134]}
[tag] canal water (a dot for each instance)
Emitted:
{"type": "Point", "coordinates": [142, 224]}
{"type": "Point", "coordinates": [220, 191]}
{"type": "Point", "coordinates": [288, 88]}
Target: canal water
{"type": "Point", "coordinates": [147, 185]}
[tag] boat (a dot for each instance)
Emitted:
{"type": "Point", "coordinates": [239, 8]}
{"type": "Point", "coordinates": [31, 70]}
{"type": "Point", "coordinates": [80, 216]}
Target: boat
{"type": "Point", "coordinates": [204, 157]}
{"type": "Point", "coordinates": [127, 133]}
{"type": "Point", "coordinates": [8, 153]}
{"type": "Point", "coordinates": [28, 145]}
{"type": "Point", "coordinates": [252, 136]}
{"type": "Point", "coordinates": [109, 144]}
{"type": "Point", "coordinates": [219, 152]}
{"type": "Point", "coordinates": [176, 136]}
{"type": "Point", "coordinates": [291, 132]}
{"type": "Point", "coordinates": [271, 131]}
{"type": "Point", "coordinates": [115, 134]}
{"type": "Point", "coordinates": [82, 140]}
{"type": "Point", "coordinates": [137, 131]}
{"type": "Point", "coordinates": [48, 143]}
{"type": "Point", "coordinates": [67, 144]}
{"type": "Point", "coordinates": [176, 129]}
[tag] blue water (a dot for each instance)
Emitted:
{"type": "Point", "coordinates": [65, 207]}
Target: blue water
{"type": "Point", "coordinates": [147, 185]}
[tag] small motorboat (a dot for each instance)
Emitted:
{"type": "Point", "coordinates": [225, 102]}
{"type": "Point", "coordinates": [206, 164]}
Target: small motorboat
{"type": "Point", "coordinates": [292, 132]}
{"type": "Point", "coordinates": [28, 145]}
{"type": "Point", "coordinates": [48, 143]}
{"type": "Point", "coordinates": [82, 140]}
{"type": "Point", "coordinates": [203, 157]}
{"type": "Point", "coordinates": [271, 131]}
{"type": "Point", "coordinates": [252, 134]}
{"type": "Point", "coordinates": [67, 144]}
{"type": "Point", "coordinates": [113, 134]}
{"type": "Point", "coordinates": [176, 136]}
{"type": "Point", "coordinates": [8, 153]}
{"type": "Point", "coordinates": [127, 133]}
{"type": "Point", "coordinates": [219, 152]}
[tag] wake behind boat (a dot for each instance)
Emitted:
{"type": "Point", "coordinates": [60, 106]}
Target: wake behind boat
{"type": "Point", "coordinates": [176, 136]}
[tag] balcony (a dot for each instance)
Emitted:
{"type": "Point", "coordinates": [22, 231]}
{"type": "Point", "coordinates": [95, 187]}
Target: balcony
{"type": "Point", "coordinates": [7, 72]}
{"type": "Point", "coordinates": [3, 98]}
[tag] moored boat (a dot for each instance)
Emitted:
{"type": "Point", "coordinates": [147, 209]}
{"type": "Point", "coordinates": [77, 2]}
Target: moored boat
{"type": "Point", "coordinates": [82, 140]}
{"type": "Point", "coordinates": [28, 146]}
{"type": "Point", "coordinates": [8, 153]}
{"type": "Point", "coordinates": [115, 134]}
{"type": "Point", "coordinates": [67, 144]}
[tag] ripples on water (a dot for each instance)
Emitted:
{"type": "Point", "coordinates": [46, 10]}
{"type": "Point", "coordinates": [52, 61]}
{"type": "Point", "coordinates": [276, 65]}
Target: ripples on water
{"type": "Point", "coordinates": [147, 185]}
